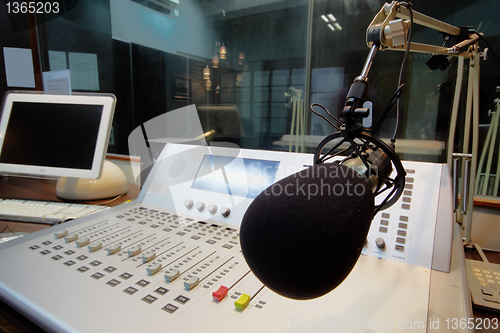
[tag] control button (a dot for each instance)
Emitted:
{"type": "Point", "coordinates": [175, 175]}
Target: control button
{"type": "Point", "coordinates": [71, 237]}
{"type": "Point", "coordinates": [188, 203]}
{"type": "Point", "coordinates": [220, 293]}
{"type": "Point", "coordinates": [400, 240]}
{"type": "Point", "coordinates": [182, 299]}
{"type": "Point", "coordinates": [191, 283]}
{"type": "Point", "coordinates": [380, 243]}
{"type": "Point", "coordinates": [134, 250]}
{"type": "Point", "coordinates": [114, 248]}
{"type": "Point", "coordinates": [94, 246]}
{"type": "Point", "coordinates": [61, 233]}
{"type": "Point", "coordinates": [200, 206]}
{"type": "Point", "coordinates": [149, 299]}
{"type": "Point", "coordinates": [212, 209]}
{"type": "Point", "coordinates": [83, 241]}
{"type": "Point", "coordinates": [242, 302]}
{"type": "Point", "coordinates": [171, 275]}
{"type": "Point", "coordinates": [170, 308]}
{"type": "Point", "coordinates": [154, 268]}
{"type": "Point", "coordinates": [148, 256]}
{"type": "Point", "coordinates": [224, 211]}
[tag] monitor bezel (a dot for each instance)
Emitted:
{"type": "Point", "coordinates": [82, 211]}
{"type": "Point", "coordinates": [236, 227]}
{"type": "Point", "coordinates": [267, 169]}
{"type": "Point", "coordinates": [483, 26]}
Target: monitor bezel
{"type": "Point", "coordinates": [108, 101]}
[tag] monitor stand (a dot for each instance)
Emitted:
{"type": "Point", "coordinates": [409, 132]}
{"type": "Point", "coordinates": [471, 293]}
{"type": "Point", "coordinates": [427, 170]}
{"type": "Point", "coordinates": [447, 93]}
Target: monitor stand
{"type": "Point", "coordinates": [112, 183]}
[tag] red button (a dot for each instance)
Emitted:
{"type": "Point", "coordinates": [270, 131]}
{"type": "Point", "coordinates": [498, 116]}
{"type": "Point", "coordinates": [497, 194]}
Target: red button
{"type": "Point", "coordinates": [220, 294]}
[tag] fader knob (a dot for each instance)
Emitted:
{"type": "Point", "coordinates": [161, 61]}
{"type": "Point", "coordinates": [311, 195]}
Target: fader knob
{"type": "Point", "coordinates": [82, 241]}
{"type": "Point", "coordinates": [171, 275]}
{"type": "Point", "coordinates": [114, 248]}
{"type": "Point", "coordinates": [94, 246]}
{"type": "Point", "coordinates": [380, 243]}
{"type": "Point", "coordinates": [200, 206]}
{"type": "Point", "coordinates": [212, 209]}
{"type": "Point", "coordinates": [135, 250]}
{"type": "Point", "coordinates": [61, 233]}
{"type": "Point", "coordinates": [191, 283]}
{"type": "Point", "coordinates": [148, 256]}
{"type": "Point", "coordinates": [71, 237]}
{"type": "Point", "coordinates": [188, 204]}
{"type": "Point", "coordinates": [154, 268]}
{"type": "Point", "coordinates": [224, 211]}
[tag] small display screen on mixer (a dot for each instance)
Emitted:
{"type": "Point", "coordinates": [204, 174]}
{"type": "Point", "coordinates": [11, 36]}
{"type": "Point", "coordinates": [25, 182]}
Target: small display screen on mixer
{"type": "Point", "coordinates": [242, 177]}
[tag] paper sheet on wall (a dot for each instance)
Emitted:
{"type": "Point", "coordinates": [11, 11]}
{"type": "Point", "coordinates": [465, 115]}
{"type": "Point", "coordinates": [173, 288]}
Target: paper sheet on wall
{"type": "Point", "coordinates": [19, 67]}
{"type": "Point", "coordinates": [84, 71]}
{"type": "Point", "coordinates": [57, 60]}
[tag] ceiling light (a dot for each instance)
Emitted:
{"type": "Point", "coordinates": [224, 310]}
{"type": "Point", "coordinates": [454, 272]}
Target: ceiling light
{"type": "Point", "coordinates": [331, 27]}
{"type": "Point", "coordinates": [324, 18]}
{"type": "Point", "coordinates": [337, 26]}
{"type": "Point", "coordinates": [332, 18]}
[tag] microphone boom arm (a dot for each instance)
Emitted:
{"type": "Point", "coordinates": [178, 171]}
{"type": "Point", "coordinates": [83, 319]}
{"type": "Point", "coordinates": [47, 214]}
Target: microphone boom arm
{"type": "Point", "coordinates": [389, 28]}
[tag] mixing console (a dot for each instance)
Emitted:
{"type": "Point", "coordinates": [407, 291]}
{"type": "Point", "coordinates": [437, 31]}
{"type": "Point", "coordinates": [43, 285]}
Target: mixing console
{"type": "Point", "coordinates": [172, 260]}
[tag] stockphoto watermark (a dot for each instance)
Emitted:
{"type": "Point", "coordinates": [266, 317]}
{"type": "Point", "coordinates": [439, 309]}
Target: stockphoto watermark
{"type": "Point", "coordinates": [367, 324]}
{"type": "Point", "coordinates": [322, 180]}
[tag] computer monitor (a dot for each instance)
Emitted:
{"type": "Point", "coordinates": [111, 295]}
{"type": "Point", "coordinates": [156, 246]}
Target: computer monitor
{"type": "Point", "coordinates": [55, 135]}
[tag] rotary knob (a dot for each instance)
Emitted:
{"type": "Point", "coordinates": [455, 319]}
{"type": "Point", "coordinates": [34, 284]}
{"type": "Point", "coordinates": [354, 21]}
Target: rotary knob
{"type": "Point", "coordinates": [224, 211]}
{"type": "Point", "coordinates": [200, 206]}
{"type": "Point", "coordinates": [212, 209]}
{"type": "Point", "coordinates": [380, 243]}
{"type": "Point", "coordinates": [188, 204]}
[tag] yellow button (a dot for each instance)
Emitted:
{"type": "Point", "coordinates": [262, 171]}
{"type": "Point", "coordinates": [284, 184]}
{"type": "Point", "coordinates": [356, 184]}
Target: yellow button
{"type": "Point", "coordinates": [242, 302]}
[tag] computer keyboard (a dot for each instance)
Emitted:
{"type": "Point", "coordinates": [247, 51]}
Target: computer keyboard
{"type": "Point", "coordinates": [44, 211]}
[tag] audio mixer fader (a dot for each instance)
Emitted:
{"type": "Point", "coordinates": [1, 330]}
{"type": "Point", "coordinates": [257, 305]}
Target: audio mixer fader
{"type": "Point", "coordinates": [172, 259]}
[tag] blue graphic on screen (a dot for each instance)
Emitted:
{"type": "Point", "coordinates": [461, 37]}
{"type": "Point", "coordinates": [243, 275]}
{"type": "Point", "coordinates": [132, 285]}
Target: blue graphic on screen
{"type": "Point", "coordinates": [242, 177]}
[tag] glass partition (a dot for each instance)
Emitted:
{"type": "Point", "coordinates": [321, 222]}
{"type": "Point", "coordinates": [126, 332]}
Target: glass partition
{"type": "Point", "coordinates": [253, 67]}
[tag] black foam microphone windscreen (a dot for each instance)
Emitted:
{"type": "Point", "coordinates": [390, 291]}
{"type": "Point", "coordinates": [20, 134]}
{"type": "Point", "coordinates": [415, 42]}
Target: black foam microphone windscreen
{"type": "Point", "coordinates": [302, 236]}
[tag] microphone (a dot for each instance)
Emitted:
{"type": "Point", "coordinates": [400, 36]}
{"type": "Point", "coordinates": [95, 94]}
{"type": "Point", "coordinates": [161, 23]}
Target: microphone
{"type": "Point", "coordinates": [314, 223]}
{"type": "Point", "coordinates": [310, 224]}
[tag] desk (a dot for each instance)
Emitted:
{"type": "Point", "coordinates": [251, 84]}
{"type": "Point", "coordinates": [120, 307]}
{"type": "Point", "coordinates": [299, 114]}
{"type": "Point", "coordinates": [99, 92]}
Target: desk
{"type": "Point", "coordinates": [43, 189]}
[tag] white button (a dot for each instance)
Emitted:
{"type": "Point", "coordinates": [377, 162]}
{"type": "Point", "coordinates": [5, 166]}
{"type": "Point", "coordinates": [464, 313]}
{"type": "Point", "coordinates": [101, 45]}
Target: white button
{"type": "Point", "coordinates": [200, 206]}
{"type": "Point", "coordinates": [212, 209]}
{"type": "Point", "coordinates": [114, 248]}
{"type": "Point", "coordinates": [189, 204]}
{"type": "Point", "coordinates": [224, 211]}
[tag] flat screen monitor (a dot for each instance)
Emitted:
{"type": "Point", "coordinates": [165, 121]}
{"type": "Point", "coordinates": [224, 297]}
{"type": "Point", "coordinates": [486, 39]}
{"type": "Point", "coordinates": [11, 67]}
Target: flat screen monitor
{"type": "Point", "coordinates": [55, 135]}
